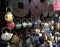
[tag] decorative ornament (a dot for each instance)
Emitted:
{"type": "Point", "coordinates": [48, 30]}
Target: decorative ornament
{"type": "Point", "coordinates": [18, 24]}
{"type": "Point", "coordinates": [19, 8]}
{"type": "Point", "coordinates": [24, 23]}
{"type": "Point", "coordinates": [9, 17]}
{"type": "Point", "coordinates": [11, 25]}
{"type": "Point", "coordinates": [35, 23]}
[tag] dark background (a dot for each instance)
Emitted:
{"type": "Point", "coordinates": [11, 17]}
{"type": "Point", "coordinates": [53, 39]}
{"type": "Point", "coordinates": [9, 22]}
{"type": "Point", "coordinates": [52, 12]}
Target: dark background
{"type": "Point", "coordinates": [2, 13]}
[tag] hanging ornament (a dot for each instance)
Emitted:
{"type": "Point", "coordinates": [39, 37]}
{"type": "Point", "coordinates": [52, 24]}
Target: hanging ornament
{"type": "Point", "coordinates": [18, 24]}
{"type": "Point", "coordinates": [24, 23]}
{"type": "Point", "coordinates": [11, 25]}
{"type": "Point", "coordinates": [35, 7]}
{"type": "Point", "coordinates": [35, 23]}
{"type": "Point", "coordinates": [29, 24]}
{"type": "Point", "coordinates": [19, 8]}
{"type": "Point", "coordinates": [8, 17]}
{"type": "Point", "coordinates": [6, 36]}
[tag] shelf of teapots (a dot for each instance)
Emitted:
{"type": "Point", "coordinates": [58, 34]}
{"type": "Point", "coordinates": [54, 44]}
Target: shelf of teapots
{"type": "Point", "coordinates": [18, 23]}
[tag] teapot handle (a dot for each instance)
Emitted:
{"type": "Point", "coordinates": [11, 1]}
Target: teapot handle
{"type": "Point", "coordinates": [5, 28]}
{"type": "Point", "coordinates": [17, 20]}
{"type": "Point", "coordinates": [24, 19]}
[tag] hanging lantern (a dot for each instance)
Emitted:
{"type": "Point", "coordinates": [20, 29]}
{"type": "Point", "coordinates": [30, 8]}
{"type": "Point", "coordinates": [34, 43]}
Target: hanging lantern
{"type": "Point", "coordinates": [35, 7]}
{"type": "Point", "coordinates": [19, 8]}
{"type": "Point", "coordinates": [18, 24]}
{"type": "Point", "coordinates": [8, 17]}
{"type": "Point", "coordinates": [6, 36]}
{"type": "Point", "coordinates": [29, 24]}
{"type": "Point", "coordinates": [11, 25]}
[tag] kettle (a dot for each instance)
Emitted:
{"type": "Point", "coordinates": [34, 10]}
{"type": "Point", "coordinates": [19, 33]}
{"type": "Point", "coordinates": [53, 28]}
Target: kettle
{"type": "Point", "coordinates": [6, 36]}
{"type": "Point", "coordinates": [9, 17]}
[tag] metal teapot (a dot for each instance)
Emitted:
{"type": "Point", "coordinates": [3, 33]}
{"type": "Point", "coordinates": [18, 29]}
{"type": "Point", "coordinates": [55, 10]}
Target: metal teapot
{"type": "Point", "coordinates": [6, 36]}
{"type": "Point", "coordinates": [9, 17]}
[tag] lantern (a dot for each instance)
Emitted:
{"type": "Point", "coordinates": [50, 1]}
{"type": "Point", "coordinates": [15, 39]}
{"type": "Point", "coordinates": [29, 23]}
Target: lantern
{"type": "Point", "coordinates": [8, 17]}
{"type": "Point", "coordinates": [11, 25]}
{"type": "Point", "coordinates": [35, 7]}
